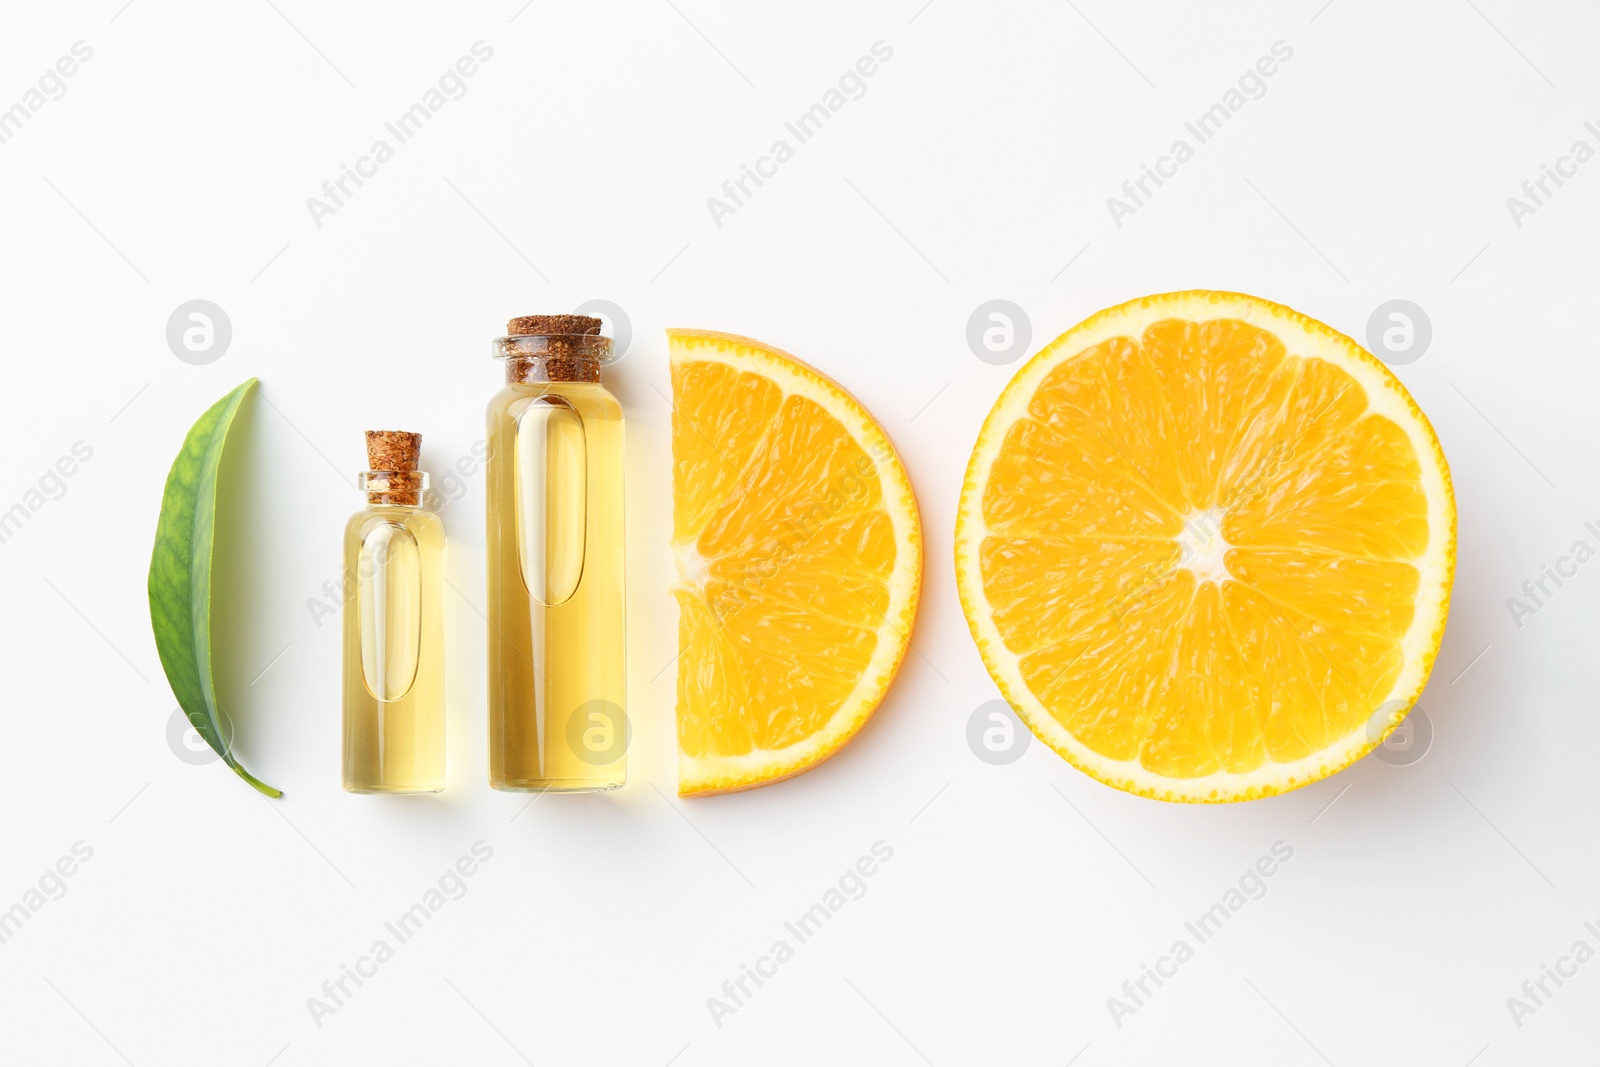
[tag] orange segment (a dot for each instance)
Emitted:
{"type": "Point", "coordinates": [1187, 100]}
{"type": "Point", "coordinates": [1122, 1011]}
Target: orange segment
{"type": "Point", "coordinates": [719, 416]}
{"type": "Point", "coordinates": [1205, 372]}
{"type": "Point", "coordinates": [1204, 545]}
{"type": "Point", "coordinates": [799, 555]}
{"type": "Point", "coordinates": [1066, 478]}
{"type": "Point", "coordinates": [1331, 497]}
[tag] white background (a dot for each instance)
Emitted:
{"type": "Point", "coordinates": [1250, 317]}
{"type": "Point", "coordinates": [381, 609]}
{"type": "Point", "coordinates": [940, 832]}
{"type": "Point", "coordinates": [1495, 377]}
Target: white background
{"type": "Point", "coordinates": [577, 166]}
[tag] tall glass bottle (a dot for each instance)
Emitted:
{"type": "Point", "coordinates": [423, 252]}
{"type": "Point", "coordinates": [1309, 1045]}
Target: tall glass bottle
{"type": "Point", "coordinates": [394, 628]}
{"type": "Point", "coordinates": [557, 682]}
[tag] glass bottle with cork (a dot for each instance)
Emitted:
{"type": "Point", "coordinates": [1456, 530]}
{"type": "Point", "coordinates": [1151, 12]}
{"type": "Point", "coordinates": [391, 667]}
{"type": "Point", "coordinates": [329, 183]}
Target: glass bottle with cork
{"type": "Point", "coordinates": [394, 712]}
{"type": "Point", "coordinates": [557, 655]}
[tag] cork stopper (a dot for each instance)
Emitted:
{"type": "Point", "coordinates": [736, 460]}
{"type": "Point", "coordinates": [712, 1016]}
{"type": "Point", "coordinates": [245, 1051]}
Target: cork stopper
{"type": "Point", "coordinates": [396, 454]}
{"type": "Point", "coordinates": [568, 348]}
{"type": "Point", "coordinates": [586, 325]}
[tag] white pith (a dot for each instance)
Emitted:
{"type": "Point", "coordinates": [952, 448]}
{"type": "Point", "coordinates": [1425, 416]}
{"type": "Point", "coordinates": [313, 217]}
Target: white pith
{"type": "Point", "coordinates": [1203, 547]}
{"type": "Point", "coordinates": [692, 569]}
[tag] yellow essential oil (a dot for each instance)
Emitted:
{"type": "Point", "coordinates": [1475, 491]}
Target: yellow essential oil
{"type": "Point", "coordinates": [394, 628]}
{"type": "Point", "coordinates": [557, 655]}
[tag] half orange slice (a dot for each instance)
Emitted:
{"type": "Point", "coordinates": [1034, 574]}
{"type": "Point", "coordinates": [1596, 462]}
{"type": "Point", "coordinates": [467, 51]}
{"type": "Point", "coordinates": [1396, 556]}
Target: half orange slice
{"type": "Point", "coordinates": [799, 554]}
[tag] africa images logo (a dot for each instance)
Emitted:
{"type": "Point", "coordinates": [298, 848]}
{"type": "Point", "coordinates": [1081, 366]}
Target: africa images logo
{"type": "Point", "coordinates": [1251, 85]}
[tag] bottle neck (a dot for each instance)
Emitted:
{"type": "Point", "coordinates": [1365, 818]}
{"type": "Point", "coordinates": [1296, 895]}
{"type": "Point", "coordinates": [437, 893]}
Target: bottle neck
{"type": "Point", "coordinates": [394, 488]}
{"type": "Point", "coordinates": [550, 368]}
{"type": "Point", "coordinates": [553, 357]}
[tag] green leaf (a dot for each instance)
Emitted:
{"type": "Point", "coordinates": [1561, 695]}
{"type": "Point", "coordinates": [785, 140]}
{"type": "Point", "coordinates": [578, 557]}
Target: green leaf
{"type": "Point", "coordinates": [180, 575]}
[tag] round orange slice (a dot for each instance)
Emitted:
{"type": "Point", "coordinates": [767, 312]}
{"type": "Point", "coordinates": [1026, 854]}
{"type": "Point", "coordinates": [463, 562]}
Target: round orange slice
{"type": "Point", "coordinates": [799, 554]}
{"type": "Point", "coordinates": [1205, 546]}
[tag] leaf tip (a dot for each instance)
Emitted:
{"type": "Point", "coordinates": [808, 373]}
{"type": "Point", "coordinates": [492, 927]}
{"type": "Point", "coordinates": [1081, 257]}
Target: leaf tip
{"type": "Point", "coordinates": [261, 787]}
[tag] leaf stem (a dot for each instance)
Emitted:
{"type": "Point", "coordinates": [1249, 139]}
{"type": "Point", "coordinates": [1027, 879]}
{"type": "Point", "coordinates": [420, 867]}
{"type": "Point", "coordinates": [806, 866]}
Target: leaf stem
{"type": "Point", "coordinates": [261, 787]}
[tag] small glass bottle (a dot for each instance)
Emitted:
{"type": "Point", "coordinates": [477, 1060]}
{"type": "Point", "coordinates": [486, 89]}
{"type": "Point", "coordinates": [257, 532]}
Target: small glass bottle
{"type": "Point", "coordinates": [394, 627]}
{"type": "Point", "coordinates": [557, 681]}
